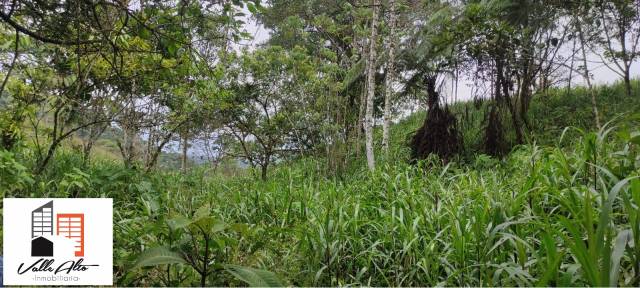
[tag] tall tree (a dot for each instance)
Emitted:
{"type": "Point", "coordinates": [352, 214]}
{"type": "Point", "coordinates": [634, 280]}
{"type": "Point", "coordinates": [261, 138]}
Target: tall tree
{"type": "Point", "coordinates": [583, 15]}
{"type": "Point", "coordinates": [335, 33]}
{"type": "Point", "coordinates": [371, 87]}
{"type": "Point", "coordinates": [512, 42]}
{"type": "Point", "coordinates": [586, 74]}
{"type": "Point", "coordinates": [619, 36]}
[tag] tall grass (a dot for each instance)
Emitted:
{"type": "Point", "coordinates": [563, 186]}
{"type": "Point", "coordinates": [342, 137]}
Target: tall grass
{"type": "Point", "coordinates": [542, 216]}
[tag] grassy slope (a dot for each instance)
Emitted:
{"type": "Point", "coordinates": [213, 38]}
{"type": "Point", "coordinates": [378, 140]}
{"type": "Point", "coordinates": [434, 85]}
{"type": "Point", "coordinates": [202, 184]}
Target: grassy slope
{"type": "Point", "coordinates": [486, 222]}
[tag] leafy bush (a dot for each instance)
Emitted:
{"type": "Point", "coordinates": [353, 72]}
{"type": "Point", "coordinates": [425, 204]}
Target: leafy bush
{"type": "Point", "coordinates": [14, 177]}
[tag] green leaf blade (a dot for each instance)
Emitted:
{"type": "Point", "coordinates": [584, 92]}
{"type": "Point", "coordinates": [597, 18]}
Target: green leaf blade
{"type": "Point", "coordinates": [158, 256]}
{"type": "Point", "coordinates": [254, 277]}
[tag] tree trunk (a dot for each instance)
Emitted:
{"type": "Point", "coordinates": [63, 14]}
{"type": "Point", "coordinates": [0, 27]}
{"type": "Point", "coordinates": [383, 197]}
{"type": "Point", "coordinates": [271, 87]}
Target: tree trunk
{"type": "Point", "coordinates": [525, 95]}
{"type": "Point", "coordinates": [44, 161]}
{"type": "Point", "coordinates": [573, 56]}
{"type": "Point", "coordinates": [95, 131]}
{"type": "Point", "coordinates": [263, 173]}
{"type": "Point", "coordinates": [129, 132]}
{"type": "Point", "coordinates": [86, 152]}
{"type": "Point", "coordinates": [361, 110]}
{"type": "Point", "coordinates": [503, 97]}
{"type": "Point", "coordinates": [371, 88]}
{"type": "Point", "coordinates": [390, 77]}
{"type": "Point", "coordinates": [264, 166]}
{"type": "Point", "coordinates": [627, 81]}
{"type": "Point", "coordinates": [152, 158]}
{"type": "Point", "coordinates": [128, 146]}
{"type": "Point", "coordinates": [587, 78]}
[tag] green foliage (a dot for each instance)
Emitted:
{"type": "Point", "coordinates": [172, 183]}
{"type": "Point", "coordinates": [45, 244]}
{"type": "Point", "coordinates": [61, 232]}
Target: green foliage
{"type": "Point", "coordinates": [561, 209]}
{"type": "Point", "coordinates": [14, 176]}
{"type": "Point", "coordinates": [558, 214]}
{"type": "Point", "coordinates": [201, 243]}
{"type": "Point", "coordinates": [254, 277]}
{"type": "Point", "coordinates": [158, 256]}
{"type": "Point", "coordinates": [517, 221]}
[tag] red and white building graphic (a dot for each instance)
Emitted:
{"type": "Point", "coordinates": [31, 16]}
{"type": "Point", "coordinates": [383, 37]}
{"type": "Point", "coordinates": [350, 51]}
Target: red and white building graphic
{"type": "Point", "coordinates": [71, 225]}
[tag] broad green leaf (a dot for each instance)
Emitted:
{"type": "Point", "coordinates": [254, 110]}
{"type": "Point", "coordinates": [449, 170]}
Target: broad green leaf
{"type": "Point", "coordinates": [579, 250]}
{"type": "Point", "coordinates": [209, 224]}
{"type": "Point", "coordinates": [178, 222]}
{"type": "Point", "coordinates": [618, 250]}
{"type": "Point", "coordinates": [635, 190]}
{"type": "Point", "coordinates": [254, 277]}
{"type": "Point", "coordinates": [158, 256]}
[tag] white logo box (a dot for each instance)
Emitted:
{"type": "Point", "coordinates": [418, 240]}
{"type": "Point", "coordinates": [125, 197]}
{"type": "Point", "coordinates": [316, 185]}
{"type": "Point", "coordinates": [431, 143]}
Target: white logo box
{"type": "Point", "coordinates": [78, 233]}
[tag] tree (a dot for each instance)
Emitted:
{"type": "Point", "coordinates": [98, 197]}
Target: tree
{"type": "Point", "coordinates": [12, 92]}
{"type": "Point", "coordinates": [267, 110]}
{"type": "Point", "coordinates": [619, 36]}
{"type": "Point", "coordinates": [141, 68]}
{"type": "Point", "coordinates": [66, 90]}
{"type": "Point", "coordinates": [581, 16]}
{"type": "Point", "coordinates": [57, 76]}
{"type": "Point", "coordinates": [371, 87]}
{"type": "Point", "coordinates": [69, 23]}
{"type": "Point", "coordinates": [335, 35]}
{"type": "Point", "coordinates": [430, 55]}
{"type": "Point", "coordinates": [586, 74]}
{"type": "Point", "coordinates": [99, 110]}
{"type": "Point", "coordinates": [16, 44]}
{"type": "Point", "coordinates": [511, 44]}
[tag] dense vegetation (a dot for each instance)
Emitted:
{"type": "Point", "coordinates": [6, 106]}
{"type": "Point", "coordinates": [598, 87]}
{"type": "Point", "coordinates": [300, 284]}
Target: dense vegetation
{"type": "Point", "coordinates": [560, 213]}
{"type": "Point", "coordinates": [338, 152]}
